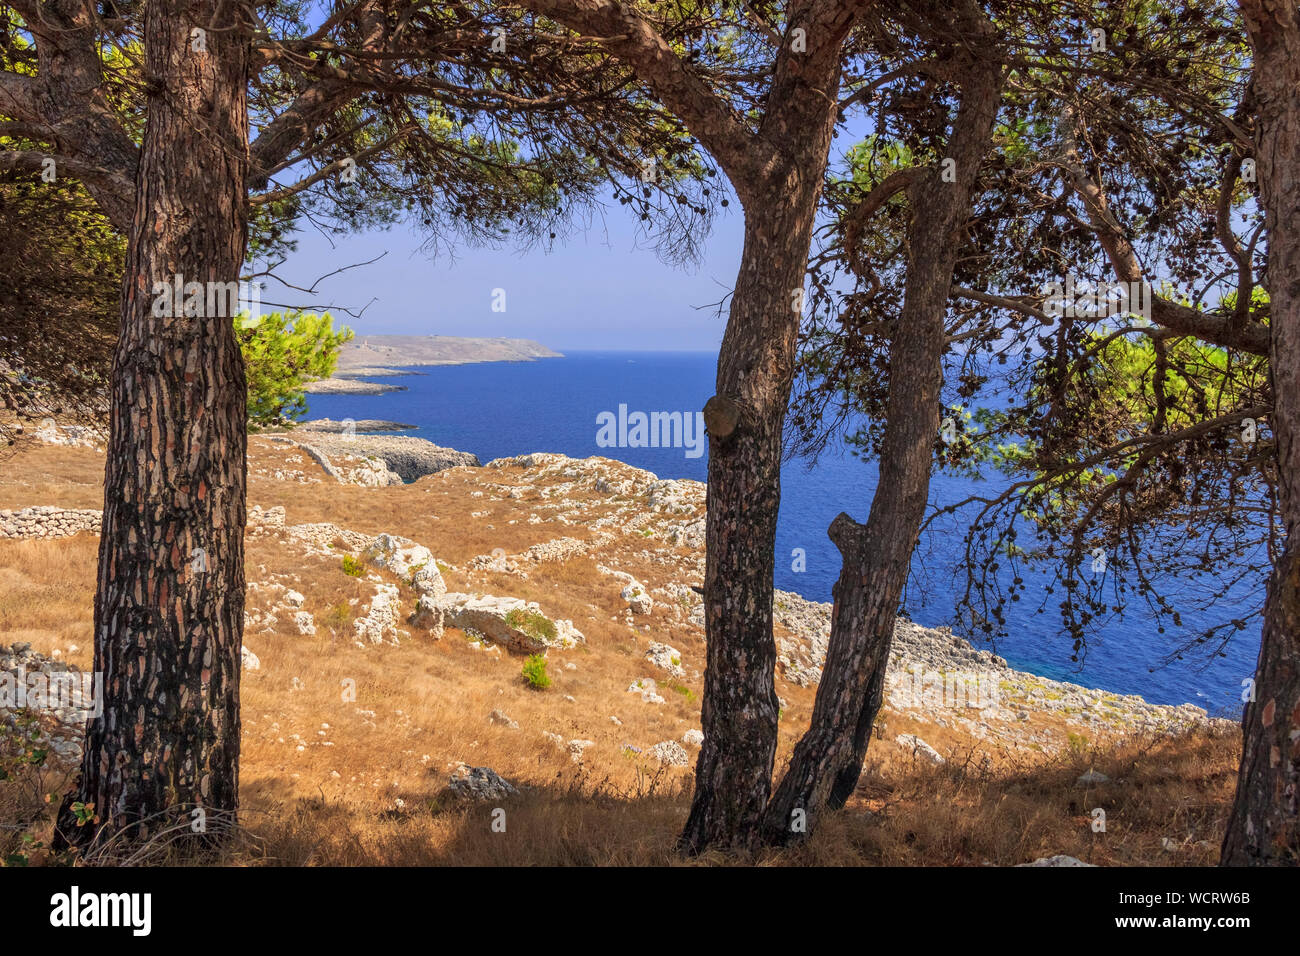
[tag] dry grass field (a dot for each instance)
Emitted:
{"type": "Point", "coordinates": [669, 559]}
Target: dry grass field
{"type": "Point", "coordinates": [332, 780]}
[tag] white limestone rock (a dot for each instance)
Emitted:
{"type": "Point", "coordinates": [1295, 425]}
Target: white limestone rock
{"type": "Point", "coordinates": [920, 748]}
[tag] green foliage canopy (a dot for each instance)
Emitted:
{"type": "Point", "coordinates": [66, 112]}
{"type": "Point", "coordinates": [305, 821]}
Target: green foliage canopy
{"type": "Point", "coordinates": [283, 352]}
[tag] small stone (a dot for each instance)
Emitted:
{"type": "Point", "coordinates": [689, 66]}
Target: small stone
{"type": "Point", "coordinates": [1059, 860]}
{"type": "Point", "coordinates": [576, 748]}
{"type": "Point", "coordinates": [670, 752]}
{"type": "Point", "coordinates": [665, 657]}
{"type": "Point", "coordinates": [648, 690]}
{"type": "Point", "coordinates": [920, 748]}
{"type": "Point", "coordinates": [479, 783]}
{"type": "Point", "coordinates": [638, 600]}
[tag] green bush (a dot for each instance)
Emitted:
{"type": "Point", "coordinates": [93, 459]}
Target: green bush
{"type": "Point", "coordinates": [22, 758]}
{"type": "Point", "coordinates": [283, 352]}
{"type": "Point", "coordinates": [338, 617]}
{"type": "Point", "coordinates": [682, 689]}
{"type": "Point", "coordinates": [352, 566]}
{"type": "Point", "coordinates": [535, 672]}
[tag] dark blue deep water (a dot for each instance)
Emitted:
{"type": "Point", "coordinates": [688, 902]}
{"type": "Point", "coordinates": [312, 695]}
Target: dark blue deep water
{"type": "Point", "coordinates": [502, 409]}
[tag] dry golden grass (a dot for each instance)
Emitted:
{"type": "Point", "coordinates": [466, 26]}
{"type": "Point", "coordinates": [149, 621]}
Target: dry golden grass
{"type": "Point", "coordinates": [328, 780]}
{"type": "Point", "coordinates": [47, 591]}
{"type": "Point", "coordinates": [33, 473]}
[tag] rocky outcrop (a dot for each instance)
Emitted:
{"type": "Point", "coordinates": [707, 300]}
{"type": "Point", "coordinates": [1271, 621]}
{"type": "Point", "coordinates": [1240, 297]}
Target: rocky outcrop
{"type": "Point", "coordinates": [48, 432]}
{"type": "Point", "coordinates": [408, 457]}
{"type": "Point", "coordinates": [933, 671]}
{"type": "Point", "coordinates": [408, 560]}
{"type": "Point", "coordinates": [379, 625]}
{"type": "Point", "coordinates": [517, 625]}
{"type": "Point", "coordinates": [637, 598]}
{"type": "Point", "coordinates": [320, 537]}
{"type": "Point", "coordinates": [265, 520]}
{"type": "Point", "coordinates": [1059, 860]}
{"type": "Point", "coordinates": [560, 549]}
{"type": "Point", "coordinates": [666, 657]}
{"type": "Point", "coordinates": [647, 688]}
{"type": "Point", "coordinates": [633, 591]}
{"type": "Point", "coordinates": [577, 748]}
{"type": "Point", "coordinates": [346, 468]}
{"type": "Point", "coordinates": [429, 616]}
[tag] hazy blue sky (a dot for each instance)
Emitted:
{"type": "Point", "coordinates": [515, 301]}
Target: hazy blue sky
{"type": "Point", "coordinates": [600, 290]}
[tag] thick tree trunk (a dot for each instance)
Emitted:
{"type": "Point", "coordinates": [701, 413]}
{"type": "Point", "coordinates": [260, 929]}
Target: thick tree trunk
{"type": "Point", "coordinates": [1264, 827]}
{"type": "Point", "coordinates": [733, 776]}
{"type": "Point", "coordinates": [827, 761]}
{"type": "Point", "coordinates": [169, 605]}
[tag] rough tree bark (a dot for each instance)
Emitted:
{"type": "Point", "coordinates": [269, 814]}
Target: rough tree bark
{"type": "Point", "coordinates": [1264, 827]}
{"type": "Point", "coordinates": [733, 776]}
{"type": "Point", "coordinates": [169, 604]}
{"type": "Point", "coordinates": [827, 761]}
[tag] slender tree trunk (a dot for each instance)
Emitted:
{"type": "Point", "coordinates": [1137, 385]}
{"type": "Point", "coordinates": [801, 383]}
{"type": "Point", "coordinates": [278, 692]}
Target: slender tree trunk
{"type": "Point", "coordinates": [170, 598]}
{"type": "Point", "coordinates": [733, 776]}
{"type": "Point", "coordinates": [777, 173]}
{"type": "Point", "coordinates": [1264, 827]}
{"type": "Point", "coordinates": [827, 761]}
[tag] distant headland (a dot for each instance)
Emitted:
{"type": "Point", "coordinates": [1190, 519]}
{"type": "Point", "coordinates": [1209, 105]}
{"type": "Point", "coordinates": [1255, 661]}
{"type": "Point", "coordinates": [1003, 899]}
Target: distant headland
{"type": "Point", "coordinates": [382, 356]}
{"type": "Point", "coordinates": [371, 352]}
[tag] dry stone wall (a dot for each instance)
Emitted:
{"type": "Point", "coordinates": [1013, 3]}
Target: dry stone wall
{"type": "Point", "coordinates": [47, 521]}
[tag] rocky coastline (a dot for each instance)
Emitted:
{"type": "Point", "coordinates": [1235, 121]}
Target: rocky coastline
{"type": "Point", "coordinates": [360, 426]}
{"type": "Point", "coordinates": [349, 386]}
{"type": "Point", "coordinates": [667, 518]}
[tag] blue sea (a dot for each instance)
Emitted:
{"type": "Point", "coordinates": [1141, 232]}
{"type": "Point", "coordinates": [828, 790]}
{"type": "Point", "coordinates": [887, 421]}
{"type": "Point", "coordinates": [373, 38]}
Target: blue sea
{"type": "Point", "coordinates": [501, 409]}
